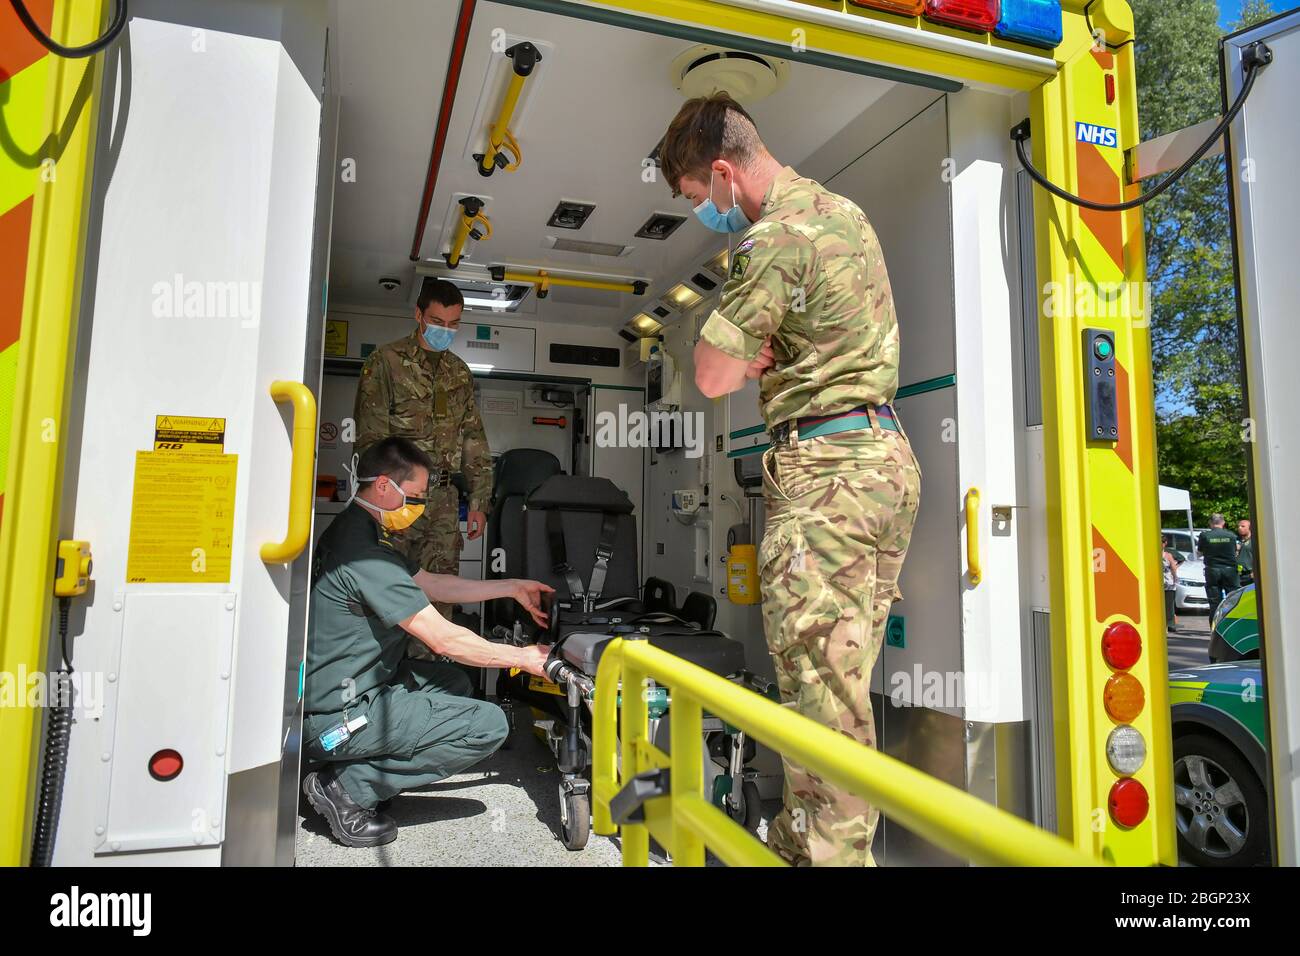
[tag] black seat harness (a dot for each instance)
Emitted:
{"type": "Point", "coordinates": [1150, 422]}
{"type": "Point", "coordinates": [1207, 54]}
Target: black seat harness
{"type": "Point", "coordinates": [587, 597]}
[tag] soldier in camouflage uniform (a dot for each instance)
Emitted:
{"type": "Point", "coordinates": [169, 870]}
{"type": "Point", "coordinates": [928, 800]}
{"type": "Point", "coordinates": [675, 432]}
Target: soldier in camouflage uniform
{"type": "Point", "coordinates": [807, 310]}
{"type": "Point", "coordinates": [417, 388]}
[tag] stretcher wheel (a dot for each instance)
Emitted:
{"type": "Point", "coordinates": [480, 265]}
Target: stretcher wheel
{"type": "Point", "coordinates": [575, 818]}
{"type": "Point", "coordinates": [749, 810]}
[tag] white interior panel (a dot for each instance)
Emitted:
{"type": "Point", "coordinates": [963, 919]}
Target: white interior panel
{"type": "Point", "coordinates": [180, 643]}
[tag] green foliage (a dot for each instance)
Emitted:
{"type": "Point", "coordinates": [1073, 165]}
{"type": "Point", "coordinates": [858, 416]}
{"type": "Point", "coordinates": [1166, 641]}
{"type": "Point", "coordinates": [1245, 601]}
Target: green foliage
{"type": "Point", "coordinates": [1194, 336]}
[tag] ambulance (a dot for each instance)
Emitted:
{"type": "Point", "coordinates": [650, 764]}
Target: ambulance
{"type": "Point", "coordinates": [213, 211]}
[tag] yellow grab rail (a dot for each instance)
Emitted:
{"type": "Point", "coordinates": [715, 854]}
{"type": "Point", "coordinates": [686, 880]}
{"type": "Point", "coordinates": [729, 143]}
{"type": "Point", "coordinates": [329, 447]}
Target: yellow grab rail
{"type": "Point", "coordinates": [973, 536]}
{"type": "Point", "coordinates": [525, 56]}
{"type": "Point", "coordinates": [302, 472]}
{"type": "Point", "coordinates": [685, 822]}
{"type": "Point", "coordinates": [471, 212]}
{"type": "Point", "coordinates": [543, 280]}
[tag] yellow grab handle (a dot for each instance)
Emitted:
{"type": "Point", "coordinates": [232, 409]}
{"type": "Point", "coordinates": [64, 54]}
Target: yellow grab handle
{"type": "Point", "coordinates": [302, 472]}
{"type": "Point", "coordinates": [973, 535]}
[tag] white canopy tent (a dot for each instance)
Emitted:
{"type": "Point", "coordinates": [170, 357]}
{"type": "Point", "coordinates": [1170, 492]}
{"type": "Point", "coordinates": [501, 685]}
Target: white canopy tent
{"type": "Point", "coordinates": [1178, 499]}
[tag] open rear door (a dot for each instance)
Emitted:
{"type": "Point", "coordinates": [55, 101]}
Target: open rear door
{"type": "Point", "coordinates": [1262, 146]}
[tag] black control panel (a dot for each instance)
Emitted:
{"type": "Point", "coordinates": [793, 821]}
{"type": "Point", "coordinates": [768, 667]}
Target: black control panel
{"type": "Point", "coordinates": [1099, 380]}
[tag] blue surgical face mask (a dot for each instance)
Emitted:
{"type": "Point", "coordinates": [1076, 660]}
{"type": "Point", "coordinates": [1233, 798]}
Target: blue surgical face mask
{"type": "Point", "coordinates": [733, 220]}
{"type": "Point", "coordinates": [438, 337]}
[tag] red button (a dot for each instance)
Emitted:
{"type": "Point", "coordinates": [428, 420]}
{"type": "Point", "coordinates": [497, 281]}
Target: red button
{"type": "Point", "coordinates": [165, 765]}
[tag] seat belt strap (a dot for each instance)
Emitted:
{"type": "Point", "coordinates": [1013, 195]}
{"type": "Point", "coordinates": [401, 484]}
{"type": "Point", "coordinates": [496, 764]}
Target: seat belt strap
{"type": "Point", "coordinates": [559, 557]}
{"type": "Point", "coordinates": [604, 551]}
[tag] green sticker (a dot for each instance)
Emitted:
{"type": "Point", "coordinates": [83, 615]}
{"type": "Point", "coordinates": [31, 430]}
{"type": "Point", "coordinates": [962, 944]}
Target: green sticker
{"type": "Point", "coordinates": [739, 265]}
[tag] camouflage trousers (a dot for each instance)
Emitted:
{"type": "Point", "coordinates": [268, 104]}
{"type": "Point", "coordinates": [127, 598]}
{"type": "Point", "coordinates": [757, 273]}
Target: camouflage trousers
{"type": "Point", "coordinates": [434, 542]}
{"type": "Point", "coordinates": [840, 511]}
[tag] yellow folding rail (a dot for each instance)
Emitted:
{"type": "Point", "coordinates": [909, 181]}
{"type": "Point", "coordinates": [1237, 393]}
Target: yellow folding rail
{"type": "Point", "coordinates": [686, 823]}
{"type": "Point", "coordinates": [525, 57]}
{"type": "Point", "coordinates": [467, 228]}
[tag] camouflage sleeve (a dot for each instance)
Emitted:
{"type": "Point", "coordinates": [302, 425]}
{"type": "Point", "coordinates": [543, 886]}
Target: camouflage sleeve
{"type": "Point", "coordinates": [476, 458]}
{"type": "Point", "coordinates": [374, 398]}
{"type": "Point", "coordinates": [770, 270]}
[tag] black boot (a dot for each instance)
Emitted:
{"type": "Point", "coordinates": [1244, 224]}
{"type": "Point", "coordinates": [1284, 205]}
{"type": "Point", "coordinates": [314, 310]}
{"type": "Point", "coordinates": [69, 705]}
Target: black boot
{"type": "Point", "coordinates": [351, 823]}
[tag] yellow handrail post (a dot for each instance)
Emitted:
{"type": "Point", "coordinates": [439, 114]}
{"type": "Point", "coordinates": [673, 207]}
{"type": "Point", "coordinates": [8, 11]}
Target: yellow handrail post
{"type": "Point", "coordinates": [634, 727]}
{"type": "Point", "coordinates": [687, 785]}
{"type": "Point", "coordinates": [302, 472]}
{"type": "Point", "coordinates": [604, 732]}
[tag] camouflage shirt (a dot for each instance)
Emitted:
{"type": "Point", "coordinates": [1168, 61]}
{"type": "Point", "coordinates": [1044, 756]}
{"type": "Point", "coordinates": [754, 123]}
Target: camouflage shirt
{"type": "Point", "coordinates": [810, 274]}
{"type": "Point", "coordinates": [428, 397]}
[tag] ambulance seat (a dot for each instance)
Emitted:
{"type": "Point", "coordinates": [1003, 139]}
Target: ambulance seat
{"type": "Point", "coordinates": [516, 473]}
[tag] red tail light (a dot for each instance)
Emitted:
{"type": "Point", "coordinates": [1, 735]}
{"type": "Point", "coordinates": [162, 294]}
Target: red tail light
{"type": "Point", "coordinates": [1121, 645]}
{"type": "Point", "coordinates": [981, 15]}
{"type": "Point", "coordinates": [1128, 802]}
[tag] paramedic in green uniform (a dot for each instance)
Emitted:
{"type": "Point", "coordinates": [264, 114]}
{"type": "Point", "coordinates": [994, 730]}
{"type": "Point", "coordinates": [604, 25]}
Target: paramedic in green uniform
{"type": "Point", "coordinates": [1245, 553]}
{"type": "Point", "coordinates": [1218, 548]}
{"type": "Point", "coordinates": [807, 310]}
{"type": "Point", "coordinates": [383, 722]}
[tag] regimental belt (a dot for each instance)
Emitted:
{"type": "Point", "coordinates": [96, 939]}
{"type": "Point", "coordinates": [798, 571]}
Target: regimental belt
{"type": "Point", "coordinates": [817, 425]}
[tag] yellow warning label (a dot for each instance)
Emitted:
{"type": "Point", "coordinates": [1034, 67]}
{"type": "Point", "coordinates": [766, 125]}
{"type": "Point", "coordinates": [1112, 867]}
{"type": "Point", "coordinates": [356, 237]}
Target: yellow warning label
{"type": "Point", "coordinates": [182, 518]}
{"type": "Point", "coordinates": [189, 433]}
{"type": "Point", "coordinates": [336, 337]}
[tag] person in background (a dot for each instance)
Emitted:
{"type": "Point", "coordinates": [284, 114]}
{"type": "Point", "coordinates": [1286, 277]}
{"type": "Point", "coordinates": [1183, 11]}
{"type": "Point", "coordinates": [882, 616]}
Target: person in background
{"type": "Point", "coordinates": [1245, 553]}
{"type": "Point", "coordinates": [1218, 548]}
{"type": "Point", "coordinates": [417, 388]}
{"type": "Point", "coordinates": [1171, 565]}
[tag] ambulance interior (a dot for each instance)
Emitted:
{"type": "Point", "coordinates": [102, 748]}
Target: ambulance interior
{"type": "Point", "coordinates": [961, 686]}
{"type": "Point", "coordinates": [588, 119]}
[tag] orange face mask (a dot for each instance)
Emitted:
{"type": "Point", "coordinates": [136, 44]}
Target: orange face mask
{"type": "Point", "coordinates": [396, 519]}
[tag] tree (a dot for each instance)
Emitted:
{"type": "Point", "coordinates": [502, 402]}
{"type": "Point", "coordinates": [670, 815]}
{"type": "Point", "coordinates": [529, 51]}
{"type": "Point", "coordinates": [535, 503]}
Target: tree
{"type": "Point", "coordinates": [1195, 345]}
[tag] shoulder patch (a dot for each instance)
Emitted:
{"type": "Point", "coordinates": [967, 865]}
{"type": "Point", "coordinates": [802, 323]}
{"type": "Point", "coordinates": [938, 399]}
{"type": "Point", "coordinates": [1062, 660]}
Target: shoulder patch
{"type": "Point", "coordinates": [739, 263]}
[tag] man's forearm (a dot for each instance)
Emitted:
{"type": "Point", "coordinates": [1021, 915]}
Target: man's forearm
{"type": "Point", "coordinates": [460, 644]}
{"type": "Point", "coordinates": [450, 589]}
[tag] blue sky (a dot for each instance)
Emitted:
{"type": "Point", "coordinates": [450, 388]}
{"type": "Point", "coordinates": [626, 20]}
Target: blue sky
{"type": "Point", "coordinates": [1230, 10]}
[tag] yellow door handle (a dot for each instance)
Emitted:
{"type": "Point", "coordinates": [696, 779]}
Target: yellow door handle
{"type": "Point", "coordinates": [973, 535]}
{"type": "Point", "coordinates": [302, 472]}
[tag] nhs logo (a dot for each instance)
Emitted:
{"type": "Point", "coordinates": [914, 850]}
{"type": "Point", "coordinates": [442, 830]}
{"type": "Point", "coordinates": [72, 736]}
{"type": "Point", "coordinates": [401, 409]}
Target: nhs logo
{"type": "Point", "coordinates": [1097, 135]}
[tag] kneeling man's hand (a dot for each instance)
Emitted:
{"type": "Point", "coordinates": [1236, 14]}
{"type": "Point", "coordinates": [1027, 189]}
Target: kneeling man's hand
{"type": "Point", "coordinates": [533, 658]}
{"type": "Point", "coordinates": [529, 595]}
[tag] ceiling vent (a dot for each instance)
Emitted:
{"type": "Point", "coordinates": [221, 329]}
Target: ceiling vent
{"type": "Point", "coordinates": [661, 225]}
{"type": "Point", "coordinates": [706, 69]}
{"type": "Point", "coordinates": [570, 215]}
{"type": "Point", "coordinates": [561, 244]}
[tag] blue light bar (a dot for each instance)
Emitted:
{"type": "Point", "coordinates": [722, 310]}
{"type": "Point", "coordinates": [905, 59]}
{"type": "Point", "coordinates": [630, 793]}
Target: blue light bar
{"type": "Point", "coordinates": [1036, 22]}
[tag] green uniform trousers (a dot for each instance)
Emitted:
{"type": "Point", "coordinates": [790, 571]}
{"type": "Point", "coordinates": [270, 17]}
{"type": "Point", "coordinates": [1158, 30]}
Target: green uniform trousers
{"type": "Point", "coordinates": [840, 511]}
{"type": "Point", "coordinates": [422, 727]}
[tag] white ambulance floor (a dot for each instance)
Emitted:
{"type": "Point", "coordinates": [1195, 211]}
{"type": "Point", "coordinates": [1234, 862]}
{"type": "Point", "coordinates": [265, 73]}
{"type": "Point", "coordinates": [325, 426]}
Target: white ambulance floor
{"type": "Point", "coordinates": [504, 812]}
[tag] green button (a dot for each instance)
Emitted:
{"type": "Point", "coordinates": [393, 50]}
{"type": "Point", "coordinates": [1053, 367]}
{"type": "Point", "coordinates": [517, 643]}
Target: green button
{"type": "Point", "coordinates": [1102, 347]}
